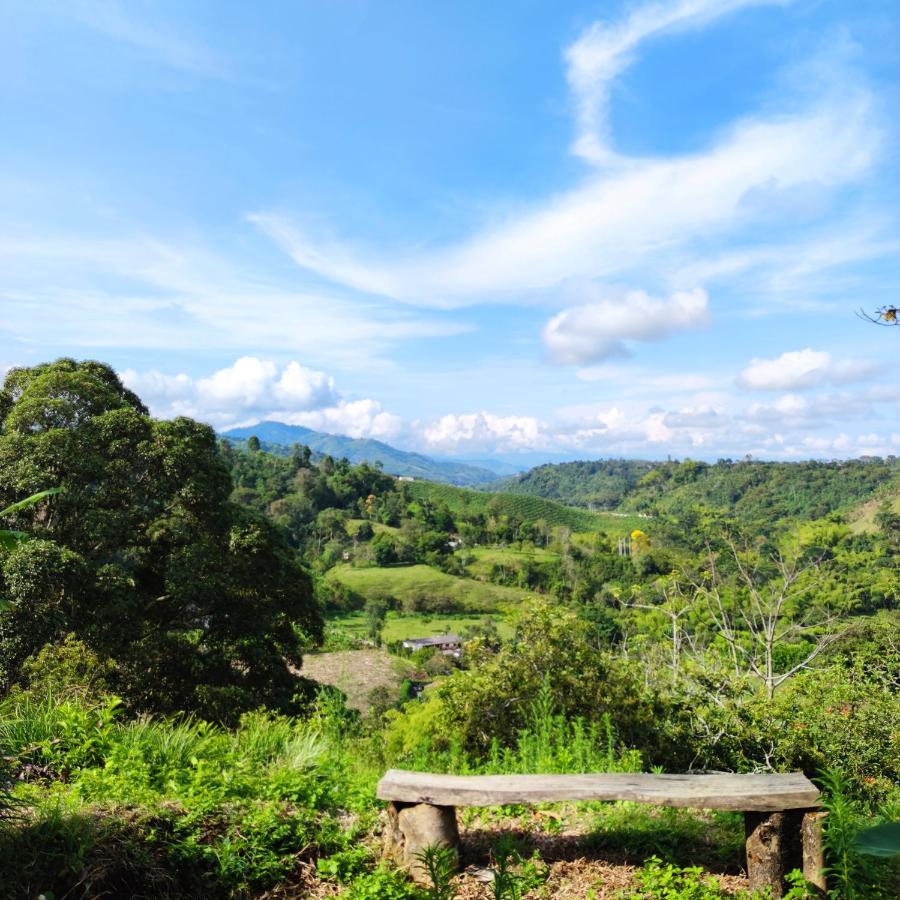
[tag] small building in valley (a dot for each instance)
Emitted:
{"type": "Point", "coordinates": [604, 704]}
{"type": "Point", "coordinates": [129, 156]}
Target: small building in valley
{"type": "Point", "coordinates": [448, 644]}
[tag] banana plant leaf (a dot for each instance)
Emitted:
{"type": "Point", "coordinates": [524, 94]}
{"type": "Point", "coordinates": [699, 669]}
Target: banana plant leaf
{"type": "Point", "coordinates": [28, 501]}
{"type": "Point", "coordinates": [880, 840]}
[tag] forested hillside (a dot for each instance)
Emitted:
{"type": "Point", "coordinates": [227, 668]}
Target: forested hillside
{"type": "Point", "coordinates": [601, 484]}
{"type": "Point", "coordinates": [752, 493]}
{"type": "Point", "coordinates": [203, 673]}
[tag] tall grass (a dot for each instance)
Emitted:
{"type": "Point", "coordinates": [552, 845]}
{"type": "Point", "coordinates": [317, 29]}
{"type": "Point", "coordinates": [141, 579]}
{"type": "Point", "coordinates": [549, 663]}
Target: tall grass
{"type": "Point", "coordinates": [549, 743]}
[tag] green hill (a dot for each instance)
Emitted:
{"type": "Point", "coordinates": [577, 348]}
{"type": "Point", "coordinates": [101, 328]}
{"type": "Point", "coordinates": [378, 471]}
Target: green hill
{"type": "Point", "coordinates": [862, 517]}
{"type": "Point", "coordinates": [756, 494]}
{"type": "Point", "coordinates": [595, 484]}
{"type": "Point", "coordinates": [521, 506]}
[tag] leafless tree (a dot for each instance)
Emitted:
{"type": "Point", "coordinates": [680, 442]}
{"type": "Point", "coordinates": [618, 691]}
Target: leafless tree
{"type": "Point", "coordinates": [675, 604]}
{"type": "Point", "coordinates": [769, 616]}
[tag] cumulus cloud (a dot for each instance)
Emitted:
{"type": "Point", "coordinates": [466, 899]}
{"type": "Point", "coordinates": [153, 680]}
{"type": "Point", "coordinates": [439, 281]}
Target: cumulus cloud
{"type": "Point", "coordinates": [800, 369]}
{"type": "Point", "coordinates": [702, 424]}
{"type": "Point", "coordinates": [248, 390]}
{"type": "Point", "coordinates": [354, 418]}
{"type": "Point", "coordinates": [597, 331]}
{"type": "Point", "coordinates": [484, 431]}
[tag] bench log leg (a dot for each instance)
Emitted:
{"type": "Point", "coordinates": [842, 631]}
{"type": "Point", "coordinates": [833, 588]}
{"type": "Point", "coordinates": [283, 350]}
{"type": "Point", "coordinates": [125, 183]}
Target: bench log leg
{"type": "Point", "coordinates": [813, 849]}
{"type": "Point", "coordinates": [413, 827]}
{"type": "Point", "coordinates": [766, 850]}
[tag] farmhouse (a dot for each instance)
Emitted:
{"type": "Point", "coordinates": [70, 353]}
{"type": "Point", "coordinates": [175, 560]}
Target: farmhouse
{"type": "Point", "coordinates": [448, 644]}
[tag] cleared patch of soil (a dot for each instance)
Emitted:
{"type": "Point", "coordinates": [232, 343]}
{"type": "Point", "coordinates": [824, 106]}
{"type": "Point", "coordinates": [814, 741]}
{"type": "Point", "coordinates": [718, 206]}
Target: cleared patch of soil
{"type": "Point", "coordinates": [355, 672]}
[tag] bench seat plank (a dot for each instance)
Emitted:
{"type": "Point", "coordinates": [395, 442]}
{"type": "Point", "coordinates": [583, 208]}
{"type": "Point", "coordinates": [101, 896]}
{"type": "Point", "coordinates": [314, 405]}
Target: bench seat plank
{"type": "Point", "coordinates": [735, 792]}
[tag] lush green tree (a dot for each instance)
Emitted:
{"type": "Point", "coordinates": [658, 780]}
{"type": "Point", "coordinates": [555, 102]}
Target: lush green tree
{"type": "Point", "coordinates": [552, 646]}
{"type": "Point", "coordinates": [384, 549]}
{"type": "Point", "coordinates": [143, 556]}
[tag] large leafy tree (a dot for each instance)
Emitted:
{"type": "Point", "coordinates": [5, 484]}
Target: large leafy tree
{"type": "Point", "coordinates": [142, 555]}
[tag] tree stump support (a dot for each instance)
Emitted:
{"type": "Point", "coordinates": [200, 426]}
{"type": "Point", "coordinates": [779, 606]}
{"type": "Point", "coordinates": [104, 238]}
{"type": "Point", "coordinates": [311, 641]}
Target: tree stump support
{"type": "Point", "coordinates": [813, 849]}
{"type": "Point", "coordinates": [780, 841]}
{"type": "Point", "coordinates": [412, 828]}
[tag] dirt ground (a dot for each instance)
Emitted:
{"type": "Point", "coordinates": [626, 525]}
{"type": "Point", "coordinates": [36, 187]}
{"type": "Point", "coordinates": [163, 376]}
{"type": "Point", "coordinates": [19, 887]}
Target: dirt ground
{"type": "Point", "coordinates": [355, 672]}
{"type": "Point", "coordinates": [571, 874]}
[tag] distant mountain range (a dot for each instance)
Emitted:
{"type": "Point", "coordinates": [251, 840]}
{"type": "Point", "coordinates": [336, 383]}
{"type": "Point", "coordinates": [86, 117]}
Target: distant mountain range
{"type": "Point", "coordinates": [277, 436]}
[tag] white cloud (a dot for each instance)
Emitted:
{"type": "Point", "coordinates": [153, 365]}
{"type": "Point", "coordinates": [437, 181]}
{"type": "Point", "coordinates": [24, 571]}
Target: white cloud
{"type": "Point", "coordinates": [605, 50]}
{"type": "Point", "coordinates": [799, 369]}
{"type": "Point", "coordinates": [792, 426]}
{"type": "Point", "coordinates": [597, 331]}
{"type": "Point", "coordinates": [181, 296]}
{"type": "Point", "coordinates": [249, 389]}
{"type": "Point", "coordinates": [355, 418]}
{"type": "Point", "coordinates": [613, 222]}
{"type": "Point", "coordinates": [642, 217]}
{"type": "Point", "coordinates": [484, 431]}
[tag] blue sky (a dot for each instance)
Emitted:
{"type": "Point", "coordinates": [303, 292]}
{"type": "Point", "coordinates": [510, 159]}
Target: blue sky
{"type": "Point", "coordinates": [576, 229]}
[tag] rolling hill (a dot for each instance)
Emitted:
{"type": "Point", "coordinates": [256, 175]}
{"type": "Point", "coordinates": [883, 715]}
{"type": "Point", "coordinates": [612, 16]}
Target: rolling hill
{"type": "Point", "coordinates": [277, 437]}
{"type": "Point", "coordinates": [459, 500]}
{"type": "Point", "coordinates": [753, 492]}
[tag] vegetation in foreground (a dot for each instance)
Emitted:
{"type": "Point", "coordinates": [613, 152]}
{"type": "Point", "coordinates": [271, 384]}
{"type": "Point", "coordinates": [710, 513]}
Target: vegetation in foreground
{"type": "Point", "coordinates": [157, 741]}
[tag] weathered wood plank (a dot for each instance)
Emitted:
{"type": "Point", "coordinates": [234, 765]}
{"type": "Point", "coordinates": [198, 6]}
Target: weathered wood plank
{"type": "Point", "coordinates": [763, 793]}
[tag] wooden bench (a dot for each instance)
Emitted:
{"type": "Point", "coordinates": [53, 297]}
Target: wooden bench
{"type": "Point", "coordinates": [782, 820]}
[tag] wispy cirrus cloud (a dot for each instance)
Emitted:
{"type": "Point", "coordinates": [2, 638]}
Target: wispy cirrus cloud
{"type": "Point", "coordinates": [141, 291]}
{"type": "Point", "coordinates": [635, 220]}
{"type": "Point", "coordinates": [149, 35]}
{"type": "Point", "coordinates": [604, 50]}
{"type": "Point", "coordinates": [612, 222]}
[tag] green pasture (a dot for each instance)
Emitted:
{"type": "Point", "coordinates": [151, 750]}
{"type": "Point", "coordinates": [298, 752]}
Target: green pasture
{"type": "Point", "coordinates": [461, 501]}
{"type": "Point", "coordinates": [423, 584]}
{"type": "Point", "coordinates": [401, 626]}
{"type": "Point", "coordinates": [480, 560]}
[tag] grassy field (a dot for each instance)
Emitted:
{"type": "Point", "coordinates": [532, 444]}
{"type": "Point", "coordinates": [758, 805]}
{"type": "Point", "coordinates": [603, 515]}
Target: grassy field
{"type": "Point", "coordinates": [483, 559]}
{"type": "Point", "coordinates": [460, 500]}
{"type": "Point", "coordinates": [422, 583]}
{"type": "Point", "coordinates": [401, 626]}
{"type": "Point", "coordinates": [862, 519]}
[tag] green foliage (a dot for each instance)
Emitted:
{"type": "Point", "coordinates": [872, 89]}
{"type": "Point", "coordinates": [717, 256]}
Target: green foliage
{"type": "Point", "coordinates": [851, 874]}
{"type": "Point", "coordinates": [228, 811]}
{"type": "Point", "coordinates": [440, 864]}
{"type": "Point", "coordinates": [141, 555]}
{"type": "Point", "coordinates": [657, 880]}
{"type": "Point", "coordinates": [513, 875]}
{"type": "Point", "coordinates": [345, 865]}
{"type": "Point", "coordinates": [383, 884]}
